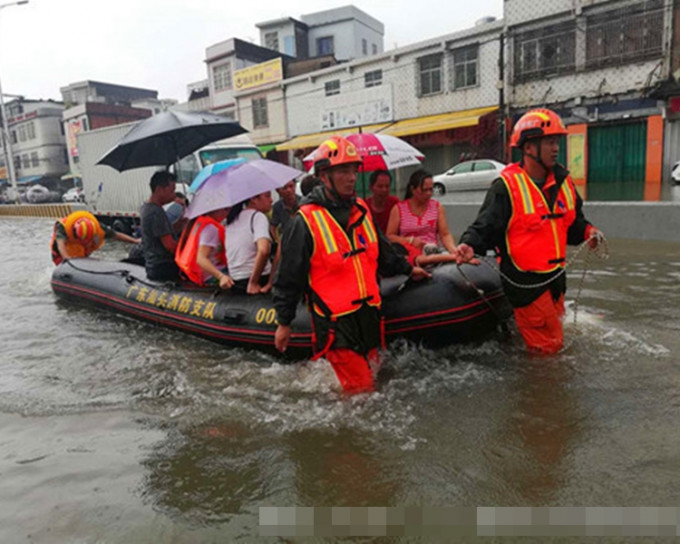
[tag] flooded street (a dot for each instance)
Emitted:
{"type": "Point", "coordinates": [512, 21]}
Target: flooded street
{"type": "Point", "coordinates": [117, 431]}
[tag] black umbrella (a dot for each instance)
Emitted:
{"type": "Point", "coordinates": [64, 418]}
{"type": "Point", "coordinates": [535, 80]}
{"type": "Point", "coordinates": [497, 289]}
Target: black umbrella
{"type": "Point", "coordinates": [167, 137]}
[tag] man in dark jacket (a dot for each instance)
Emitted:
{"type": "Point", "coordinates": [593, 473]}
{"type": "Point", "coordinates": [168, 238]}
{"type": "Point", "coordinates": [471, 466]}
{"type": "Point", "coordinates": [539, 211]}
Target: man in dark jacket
{"type": "Point", "coordinates": [332, 253]}
{"type": "Point", "coordinates": [529, 215]}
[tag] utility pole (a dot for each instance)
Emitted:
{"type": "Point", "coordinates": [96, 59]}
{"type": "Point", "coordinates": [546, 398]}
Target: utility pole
{"type": "Point", "coordinates": [7, 147]}
{"type": "Point", "coordinates": [501, 98]}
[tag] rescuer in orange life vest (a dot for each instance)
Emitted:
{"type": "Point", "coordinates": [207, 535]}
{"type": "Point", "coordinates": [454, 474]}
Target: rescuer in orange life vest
{"type": "Point", "coordinates": [79, 234]}
{"type": "Point", "coordinates": [333, 253]}
{"type": "Point", "coordinates": [530, 214]}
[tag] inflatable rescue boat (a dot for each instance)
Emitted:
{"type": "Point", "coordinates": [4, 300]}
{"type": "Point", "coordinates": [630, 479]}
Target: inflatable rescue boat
{"type": "Point", "coordinates": [458, 304]}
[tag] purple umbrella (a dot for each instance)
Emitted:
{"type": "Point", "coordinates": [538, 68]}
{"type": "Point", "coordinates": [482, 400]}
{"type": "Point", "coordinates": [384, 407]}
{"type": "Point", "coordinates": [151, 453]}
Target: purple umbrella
{"type": "Point", "coordinates": [238, 183]}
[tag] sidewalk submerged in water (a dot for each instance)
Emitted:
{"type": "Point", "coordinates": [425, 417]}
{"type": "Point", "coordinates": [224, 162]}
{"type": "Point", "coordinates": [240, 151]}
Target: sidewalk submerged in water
{"type": "Point", "coordinates": [630, 220]}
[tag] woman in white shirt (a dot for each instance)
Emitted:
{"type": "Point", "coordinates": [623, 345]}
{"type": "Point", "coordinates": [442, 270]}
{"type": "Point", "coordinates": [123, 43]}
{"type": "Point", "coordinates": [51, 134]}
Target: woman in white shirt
{"type": "Point", "coordinates": [248, 242]}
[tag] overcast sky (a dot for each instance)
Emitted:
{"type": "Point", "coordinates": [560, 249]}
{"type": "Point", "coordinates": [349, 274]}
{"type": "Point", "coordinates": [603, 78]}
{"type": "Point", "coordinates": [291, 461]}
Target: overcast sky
{"type": "Point", "coordinates": [160, 44]}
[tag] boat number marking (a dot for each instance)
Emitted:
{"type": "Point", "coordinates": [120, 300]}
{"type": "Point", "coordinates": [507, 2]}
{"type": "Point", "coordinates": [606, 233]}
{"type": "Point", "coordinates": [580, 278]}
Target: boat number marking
{"type": "Point", "coordinates": [265, 315]}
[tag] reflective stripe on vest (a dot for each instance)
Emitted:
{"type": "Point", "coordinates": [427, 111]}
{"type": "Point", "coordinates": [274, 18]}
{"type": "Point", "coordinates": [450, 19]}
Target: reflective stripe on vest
{"type": "Point", "coordinates": [187, 249]}
{"type": "Point", "coordinates": [536, 236]}
{"type": "Point", "coordinates": [344, 266]}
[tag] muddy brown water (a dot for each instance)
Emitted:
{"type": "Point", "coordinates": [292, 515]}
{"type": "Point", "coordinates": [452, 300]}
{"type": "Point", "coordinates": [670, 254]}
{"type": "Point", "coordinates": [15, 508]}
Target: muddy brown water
{"type": "Point", "coordinates": [116, 431]}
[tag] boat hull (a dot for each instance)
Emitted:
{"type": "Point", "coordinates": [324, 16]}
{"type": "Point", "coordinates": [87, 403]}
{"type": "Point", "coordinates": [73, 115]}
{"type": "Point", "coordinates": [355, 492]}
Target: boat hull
{"type": "Point", "coordinates": [444, 310]}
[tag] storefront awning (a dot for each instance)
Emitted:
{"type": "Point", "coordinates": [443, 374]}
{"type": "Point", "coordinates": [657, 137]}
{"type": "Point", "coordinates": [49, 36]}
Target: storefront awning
{"type": "Point", "coordinates": [316, 139]}
{"type": "Point", "coordinates": [433, 123]}
{"type": "Point", "coordinates": [407, 127]}
{"type": "Point", "coordinates": [29, 179]}
{"type": "Point", "coordinates": [264, 149]}
{"type": "Point", "coordinates": [69, 176]}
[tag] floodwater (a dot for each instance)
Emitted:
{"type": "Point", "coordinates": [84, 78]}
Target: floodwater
{"type": "Point", "coordinates": [117, 431]}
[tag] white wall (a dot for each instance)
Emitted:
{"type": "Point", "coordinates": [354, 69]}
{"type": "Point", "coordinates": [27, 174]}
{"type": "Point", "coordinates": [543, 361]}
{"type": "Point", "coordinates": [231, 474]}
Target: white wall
{"type": "Point", "coordinates": [49, 143]}
{"type": "Point", "coordinates": [275, 132]}
{"type": "Point", "coordinates": [284, 30]}
{"type": "Point", "coordinates": [305, 95]}
{"type": "Point", "coordinates": [583, 83]}
{"type": "Point", "coordinates": [517, 12]}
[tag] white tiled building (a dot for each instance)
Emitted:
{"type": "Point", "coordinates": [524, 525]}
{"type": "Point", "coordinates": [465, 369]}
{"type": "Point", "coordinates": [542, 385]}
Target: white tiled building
{"type": "Point", "coordinates": [38, 142]}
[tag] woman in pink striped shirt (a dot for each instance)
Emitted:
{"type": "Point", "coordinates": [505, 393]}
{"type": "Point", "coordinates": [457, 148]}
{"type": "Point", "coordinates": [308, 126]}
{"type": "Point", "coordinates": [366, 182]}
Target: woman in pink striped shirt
{"type": "Point", "coordinates": [419, 224]}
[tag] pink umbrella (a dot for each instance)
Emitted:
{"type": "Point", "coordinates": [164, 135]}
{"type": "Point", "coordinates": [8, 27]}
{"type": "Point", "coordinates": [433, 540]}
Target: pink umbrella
{"type": "Point", "coordinates": [379, 152]}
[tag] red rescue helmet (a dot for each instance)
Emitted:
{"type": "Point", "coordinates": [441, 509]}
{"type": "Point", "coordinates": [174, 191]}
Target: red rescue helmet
{"type": "Point", "coordinates": [84, 229]}
{"type": "Point", "coordinates": [334, 152]}
{"type": "Point", "coordinates": [536, 124]}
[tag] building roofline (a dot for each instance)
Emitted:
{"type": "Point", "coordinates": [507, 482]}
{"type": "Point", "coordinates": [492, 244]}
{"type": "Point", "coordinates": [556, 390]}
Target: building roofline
{"type": "Point", "coordinates": [281, 20]}
{"type": "Point", "coordinates": [445, 40]}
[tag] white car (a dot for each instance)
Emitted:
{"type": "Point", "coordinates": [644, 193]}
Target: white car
{"type": "Point", "coordinates": [75, 194]}
{"type": "Point", "coordinates": [475, 175]}
{"type": "Point", "coordinates": [675, 173]}
{"type": "Point", "coordinates": [39, 194]}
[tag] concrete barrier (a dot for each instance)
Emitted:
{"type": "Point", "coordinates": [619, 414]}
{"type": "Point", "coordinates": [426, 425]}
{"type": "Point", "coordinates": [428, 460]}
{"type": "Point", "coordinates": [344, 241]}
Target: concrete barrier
{"type": "Point", "coordinates": [631, 220]}
{"type": "Point", "coordinates": [40, 210]}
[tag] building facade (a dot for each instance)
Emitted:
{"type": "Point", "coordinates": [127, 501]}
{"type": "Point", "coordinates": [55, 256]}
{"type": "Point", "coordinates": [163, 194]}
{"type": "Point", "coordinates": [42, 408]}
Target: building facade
{"type": "Point", "coordinates": [38, 142]}
{"type": "Point", "coordinates": [597, 63]}
{"type": "Point", "coordinates": [92, 104]}
{"type": "Point", "coordinates": [441, 95]}
{"type": "Point", "coordinates": [346, 33]}
{"type": "Point", "coordinates": [225, 58]}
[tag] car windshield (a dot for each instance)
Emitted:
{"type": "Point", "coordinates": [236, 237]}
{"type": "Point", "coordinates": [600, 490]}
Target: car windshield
{"type": "Point", "coordinates": [210, 156]}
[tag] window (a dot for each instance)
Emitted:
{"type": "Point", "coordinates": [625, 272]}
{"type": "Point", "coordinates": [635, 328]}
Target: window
{"type": "Point", "coordinates": [34, 159]}
{"type": "Point", "coordinates": [373, 79]}
{"type": "Point", "coordinates": [364, 46]}
{"type": "Point", "coordinates": [374, 49]}
{"type": "Point", "coordinates": [65, 155]}
{"type": "Point", "coordinates": [13, 136]}
{"type": "Point", "coordinates": [465, 67]}
{"type": "Point", "coordinates": [430, 74]}
{"type": "Point", "coordinates": [187, 169]}
{"type": "Point", "coordinates": [85, 124]}
{"type": "Point", "coordinates": [22, 133]}
{"type": "Point", "coordinates": [625, 35]}
{"type": "Point", "coordinates": [481, 166]}
{"type": "Point", "coordinates": [462, 167]}
{"type": "Point", "coordinates": [545, 52]}
{"type": "Point", "coordinates": [324, 46]}
{"type": "Point", "coordinates": [26, 160]}
{"type": "Point", "coordinates": [222, 77]}
{"type": "Point", "coordinates": [332, 87]}
{"type": "Point", "coordinates": [17, 162]}
{"type": "Point", "coordinates": [30, 130]}
{"type": "Point", "coordinates": [271, 40]}
{"type": "Point", "coordinates": [260, 112]}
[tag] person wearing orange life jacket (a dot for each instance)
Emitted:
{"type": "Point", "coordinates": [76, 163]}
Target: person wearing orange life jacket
{"type": "Point", "coordinates": [332, 252]}
{"type": "Point", "coordinates": [200, 253]}
{"type": "Point", "coordinates": [79, 234]}
{"type": "Point", "coordinates": [530, 214]}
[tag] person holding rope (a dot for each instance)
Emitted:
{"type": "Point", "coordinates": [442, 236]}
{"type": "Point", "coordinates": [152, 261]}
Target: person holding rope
{"type": "Point", "coordinates": [529, 215]}
{"type": "Point", "coordinates": [332, 252]}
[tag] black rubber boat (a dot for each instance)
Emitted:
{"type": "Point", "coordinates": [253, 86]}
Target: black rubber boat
{"type": "Point", "coordinates": [456, 305]}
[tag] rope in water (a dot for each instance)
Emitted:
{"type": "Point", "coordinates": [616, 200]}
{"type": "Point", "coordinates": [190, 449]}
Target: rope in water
{"type": "Point", "coordinates": [601, 250]}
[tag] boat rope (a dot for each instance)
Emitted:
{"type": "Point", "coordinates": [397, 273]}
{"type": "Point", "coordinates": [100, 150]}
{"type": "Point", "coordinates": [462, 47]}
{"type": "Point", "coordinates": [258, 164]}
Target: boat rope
{"type": "Point", "coordinates": [129, 277]}
{"type": "Point", "coordinates": [601, 250]}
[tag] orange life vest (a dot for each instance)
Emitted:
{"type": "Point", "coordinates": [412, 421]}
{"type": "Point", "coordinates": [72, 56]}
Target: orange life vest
{"type": "Point", "coordinates": [187, 249]}
{"type": "Point", "coordinates": [536, 236]}
{"type": "Point", "coordinates": [75, 247]}
{"type": "Point", "coordinates": [344, 266]}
